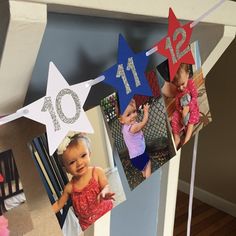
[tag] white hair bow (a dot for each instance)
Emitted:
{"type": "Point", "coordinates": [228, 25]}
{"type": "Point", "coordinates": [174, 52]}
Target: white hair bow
{"type": "Point", "coordinates": [66, 141]}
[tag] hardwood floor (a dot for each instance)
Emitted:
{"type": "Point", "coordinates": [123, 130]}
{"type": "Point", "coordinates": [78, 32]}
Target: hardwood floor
{"type": "Point", "coordinates": [206, 220]}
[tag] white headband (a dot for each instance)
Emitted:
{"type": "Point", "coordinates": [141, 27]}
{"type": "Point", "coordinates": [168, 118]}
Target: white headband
{"type": "Point", "coordinates": [66, 141]}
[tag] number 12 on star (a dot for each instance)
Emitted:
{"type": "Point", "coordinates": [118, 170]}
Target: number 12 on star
{"type": "Point", "coordinates": [177, 54]}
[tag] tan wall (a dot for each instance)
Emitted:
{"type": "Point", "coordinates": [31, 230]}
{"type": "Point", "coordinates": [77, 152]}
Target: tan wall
{"type": "Point", "coordinates": [15, 136]}
{"type": "Point", "coordinates": [99, 155]}
{"type": "Point", "coordinates": [216, 158]}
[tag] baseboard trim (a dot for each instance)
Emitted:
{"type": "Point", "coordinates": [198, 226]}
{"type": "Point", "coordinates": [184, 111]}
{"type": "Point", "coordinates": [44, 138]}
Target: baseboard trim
{"type": "Point", "coordinates": [209, 198]}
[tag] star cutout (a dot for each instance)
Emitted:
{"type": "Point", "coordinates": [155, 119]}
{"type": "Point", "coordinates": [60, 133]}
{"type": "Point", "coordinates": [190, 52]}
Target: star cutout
{"type": "Point", "coordinates": [128, 75]}
{"type": "Point", "coordinates": [175, 46]}
{"type": "Point", "coordinates": [61, 110]}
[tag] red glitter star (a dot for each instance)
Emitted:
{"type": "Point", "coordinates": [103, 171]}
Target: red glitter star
{"type": "Point", "coordinates": [175, 46]}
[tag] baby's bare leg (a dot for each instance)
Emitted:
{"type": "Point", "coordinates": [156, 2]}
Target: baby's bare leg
{"type": "Point", "coordinates": [177, 140]}
{"type": "Point", "coordinates": [147, 170]}
{"type": "Point", "coordinates": [143, 173]}
{"type": "Point", "coordinates": [188, 133]}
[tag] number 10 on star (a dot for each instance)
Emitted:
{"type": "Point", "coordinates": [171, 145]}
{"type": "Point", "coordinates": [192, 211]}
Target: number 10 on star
{"type": "Point", "coordinates": [56, 110]}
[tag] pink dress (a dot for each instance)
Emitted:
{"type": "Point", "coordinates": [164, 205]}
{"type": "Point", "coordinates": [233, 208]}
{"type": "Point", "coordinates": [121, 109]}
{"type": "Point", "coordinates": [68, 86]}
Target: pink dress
{"type": "Point", "coordinates": [4, 226]}
{"type": "Point", "coordinates": [176, 121]}
{"type": "Point", "coordinates": [85, 203]}
{"type": "Point", "coordinates": [3, 221]}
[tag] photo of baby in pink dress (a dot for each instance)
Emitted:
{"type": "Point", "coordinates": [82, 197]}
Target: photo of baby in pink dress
{"type": "Point", "coordinates": [187, 104]}
{"type": "Point", "coordinates": [186, 113]}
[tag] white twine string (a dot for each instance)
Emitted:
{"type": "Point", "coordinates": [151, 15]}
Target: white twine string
{"type": "Point", "coordinates": [99, 79]}
{"type": "Point", "coordinates": [194, 23]}
{"type": "Point", "coordinates": [151, 51]}
{"type": "Point", "coordinates": [190, 206]}
{"type": "Point", "coordinates": [95, 81]}
{"type": "Point", "coordinates": [13, 116]}
{"type": "Point", "coordinates": [206, 13]}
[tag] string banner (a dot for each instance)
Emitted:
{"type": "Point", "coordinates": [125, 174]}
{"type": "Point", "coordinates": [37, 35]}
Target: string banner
{"type": "Point", "coordinates": [61, 110]}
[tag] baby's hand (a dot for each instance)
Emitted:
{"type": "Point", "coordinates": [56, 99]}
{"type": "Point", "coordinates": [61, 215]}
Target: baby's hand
{"type": "Point", "coordinates": [145, 112]}
{"type": "Point", "coordinates": [146, 108]}
{"type": "Point", "coordinates": [105, 194]}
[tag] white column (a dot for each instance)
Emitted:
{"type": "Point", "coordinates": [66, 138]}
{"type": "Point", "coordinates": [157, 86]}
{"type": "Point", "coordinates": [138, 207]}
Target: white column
{"type": "Point", "coordinates": [225, 41]}
{"type": "Point", "coordinates": [102, 226]}
{"type": "Point", "coordinates": [168, 193]}
{"type": "Point", "coordinates": [25, 23]}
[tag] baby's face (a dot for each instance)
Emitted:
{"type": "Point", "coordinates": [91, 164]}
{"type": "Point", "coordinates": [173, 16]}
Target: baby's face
{"type": "Point", "coordinates": [76, 159]}
{"type": "Point", "coordinates": [130, 114]}
{"type": "Point", "coordinates": [182, 81]}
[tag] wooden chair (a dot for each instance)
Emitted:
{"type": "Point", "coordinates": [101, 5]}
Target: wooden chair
{"type": "Point", "coordinates": [11, 185]}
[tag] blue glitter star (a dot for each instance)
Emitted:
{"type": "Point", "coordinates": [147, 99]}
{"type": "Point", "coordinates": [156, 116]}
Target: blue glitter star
{"type": "Point", "coordinates": [128, 75]}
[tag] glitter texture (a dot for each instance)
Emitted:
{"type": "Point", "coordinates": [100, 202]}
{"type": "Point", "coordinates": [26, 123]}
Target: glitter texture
{"type": "Point", "coordinates": [121, 73]}
{"type": "Point", "coordinates": [169, 46]}
{"type": "Point", "coordinates": [179, 53]}
{"type": "Point", "coordinates": [131, 66]}
{"type": "Point", "coordinates": [47, 106]}
{"type": "Point", "coordinates": [59, 108]}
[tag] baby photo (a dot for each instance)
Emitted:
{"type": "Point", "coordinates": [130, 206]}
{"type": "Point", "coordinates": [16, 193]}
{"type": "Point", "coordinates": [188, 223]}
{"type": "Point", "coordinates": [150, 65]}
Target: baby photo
{"type": "Point", "coordinates": [187, 107]}
{"type": "Point", "coordinates": [140, 133]}
{"type": "Point", "coordinates": [81, 178]}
